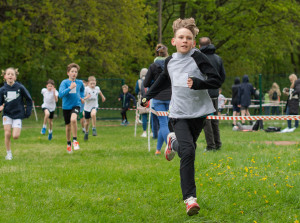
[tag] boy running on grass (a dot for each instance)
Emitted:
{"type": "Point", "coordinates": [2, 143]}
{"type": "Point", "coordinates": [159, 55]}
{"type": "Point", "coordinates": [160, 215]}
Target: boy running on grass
{"type": "Point", "coordinates": [91, 105]}
{"type": "Point", "coordinates": [50, 98]}
{"type": "Point", "coordinates": [125, 98]}
{"type": "Point", "coordinates": [71, 91]}
{"type": "Point", "coordinates": [12, 96]}
{"type": "Point", "coordinates": [189, 73]}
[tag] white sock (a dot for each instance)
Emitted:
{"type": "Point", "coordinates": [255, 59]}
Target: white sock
{"type": "Point", "coordinates": [50, 130]}
{"type": "Point", "coordinates": [8, 151]}
{"type": "Point", "coordinates": [44, 126]}
{"type": "Point", "coordinates": [83, 129]}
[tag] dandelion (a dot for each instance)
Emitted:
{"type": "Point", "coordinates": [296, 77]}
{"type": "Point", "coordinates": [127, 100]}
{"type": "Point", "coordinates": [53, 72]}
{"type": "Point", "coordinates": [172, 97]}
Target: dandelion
{"type": "Point", "coordinates": [118, 198]}
{"type": "Point", "coordinates": [245, 175]}
{"type": "Point", "coordinates": [246, 169]}
{"type": "Point", "coordinates": [201, 185]}
{"type": "Point", "coordinates": [277, 191]}
{"type": "Point", "coordinates": [255, 192]}
{"type": "Point", "coordinates": [264, 196]}
{"type": "Point", "coordinates": [266, 201]}
{"type": "Point", "coordinates": [275, 184]}
{"type": "Point", "coordinates": [289, 186]}
{"type": "Point", "coordinates": [242, 212]}
{"type": "Point", "coordinates": [228, 167]}
{"type": "Point", "coordinates": [296, 221]}
{"type": "Point", "coordinates": [254, 221]}
{"type": "Point", "coordinates": [252, 160]}
{"type": "Point", "coordinates": [234, 204]}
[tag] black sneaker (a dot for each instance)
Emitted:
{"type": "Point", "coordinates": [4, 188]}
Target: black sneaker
{"type": "Point", "coordinates": [86, 136]}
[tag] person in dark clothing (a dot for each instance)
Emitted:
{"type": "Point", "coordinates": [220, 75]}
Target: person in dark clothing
{"type": "Point", "coordinates": [292, 104]}
{"type": "Point", "coordinates": [125, 97]}
{"type": "Point", "coordinates": [245, 92]}
{"type": "Point", "coordinates": [162, 100]}
{"type": "Point", "coordinates": [235, 99]}
{"type": "Point", "coordinates": [211, 128]}
{"type": "Point", "coordinates": [12, 96]}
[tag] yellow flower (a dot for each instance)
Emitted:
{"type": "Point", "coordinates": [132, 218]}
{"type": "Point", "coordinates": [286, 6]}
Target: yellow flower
{"type": "Point", "coordinates": [228, 167]}
{"type": "Point", "coordinates": [118, 198]}
{"type": "Point", "coordinates": [266, 201]}
{"type": "Point", "coordinates": [296, 221]}
{"type": "Point", "coordinates": [277, 191]}
{"type": "Point", "coordinates": [246, 169]}
{"type": "Point", "coordinates": [264, 196]}
{"type": "Point", "coordinates": [255, 192]}
{"type": "Point", "coordinates": [254, 221]}
{"type": "Point", "coordinates": [242, 212]}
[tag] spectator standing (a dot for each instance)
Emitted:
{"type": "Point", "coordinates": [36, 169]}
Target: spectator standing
{"type": "Point", "coordinates": [211, 128]}
{"type": "Point", "coordinates": [235, 99]}
{"type": "Point", "coordinates": [292, 104]}
{"type": "Point", "coordinates": [162, 100]}
{"type": "Point", "coordinates": [245, 92]}
{"type": "Point", "coordinates": [274, 96]}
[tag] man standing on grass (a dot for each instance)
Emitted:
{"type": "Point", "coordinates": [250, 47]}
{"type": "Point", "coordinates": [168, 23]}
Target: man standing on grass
{"type": "Point", "coordinates": [211, 128]}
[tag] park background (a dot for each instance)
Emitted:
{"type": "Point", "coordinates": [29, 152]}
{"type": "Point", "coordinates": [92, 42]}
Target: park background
{"type": "Point", "coordinates": [115, 39]}
{"type": "Point", "coordinates": [113, 178]}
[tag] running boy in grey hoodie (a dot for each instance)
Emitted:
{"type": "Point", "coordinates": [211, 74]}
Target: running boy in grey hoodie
{"type": "Point", "coordinates": [190, 74]}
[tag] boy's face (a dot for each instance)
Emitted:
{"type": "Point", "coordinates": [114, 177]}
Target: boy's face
{"type": "Point", "coordinates": [49, 87]}
{"type": "Point", "coordinates": [10, 76]}
{"type": "Point", "coordinates": [92, 84]}
{"type": "Point", "coordinates": [125, 90]}
{"type": "Point", "coordinates": [72, 74]}
{"type": "Point", "coordinates": [183, 40]}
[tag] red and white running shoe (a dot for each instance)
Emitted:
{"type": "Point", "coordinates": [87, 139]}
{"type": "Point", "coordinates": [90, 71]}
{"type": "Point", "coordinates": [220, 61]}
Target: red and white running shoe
{"type": "Point", "coordinates": [76, 145]}
{"type": "Point", "coordinates": [69, 149]}
{"type": "Point", "coordinates": [169, 152]}
{"type": "Point", "coordinates": [192, 207]}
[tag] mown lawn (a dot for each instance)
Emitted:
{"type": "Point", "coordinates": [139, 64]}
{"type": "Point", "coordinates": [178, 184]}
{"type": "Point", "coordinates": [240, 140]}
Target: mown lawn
{"type": "Point", "coordinates": [113, 178]}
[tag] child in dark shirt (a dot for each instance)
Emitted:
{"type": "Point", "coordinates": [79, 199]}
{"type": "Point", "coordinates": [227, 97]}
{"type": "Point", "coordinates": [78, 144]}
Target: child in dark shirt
{"type": "Point", "coordinates": [12, 96]}
{"type": "Point", "coordinates": [125, 97]}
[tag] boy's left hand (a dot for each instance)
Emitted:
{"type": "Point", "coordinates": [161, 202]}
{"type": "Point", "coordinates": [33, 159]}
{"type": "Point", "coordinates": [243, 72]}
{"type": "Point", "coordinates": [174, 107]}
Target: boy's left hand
{"type": "Point", "coordinates": [190, 82]}
{"type": "Point", "coordinates": [103, 99]}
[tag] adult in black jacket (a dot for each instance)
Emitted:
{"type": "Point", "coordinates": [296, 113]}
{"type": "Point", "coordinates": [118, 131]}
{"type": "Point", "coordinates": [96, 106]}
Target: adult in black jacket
{"type": "Point", "coordinates": [162, 100]}
{"type": "Point", "coordinates": [211, 128]}
{"type": "Point", "coordinates": [245, 92]}
{"type": "Point", "coordinates": [235, 99]}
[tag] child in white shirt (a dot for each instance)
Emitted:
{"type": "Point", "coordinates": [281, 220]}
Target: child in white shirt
{"type": "Point", "coordinates": [221, 102]}
{"type": "Point", "coordinates": [50, 98]}
{"type": "Point", "coordinates": [91, 105]}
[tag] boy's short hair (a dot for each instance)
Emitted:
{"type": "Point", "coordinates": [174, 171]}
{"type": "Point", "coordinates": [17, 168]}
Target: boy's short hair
{"type": "Point", "coordinates": [125, 86]}
{"type": "Point", "coordinates": [50, 81]}
{"type": "Point", "coordinates": [71, 65]}
{"type": "Point", "coordinates": [189, 24]}
{"type": "Point", "coordinates": [15, 69]}
{"type": "Point", "coordinates": [161, 50]}
{"type": "Point", "coordinates": [91, 78]}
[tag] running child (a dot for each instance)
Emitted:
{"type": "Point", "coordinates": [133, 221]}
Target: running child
{"type": "Point", "coordinates": [12, 96]}
{"type": "Point", "coordinates": [189, 73]}
{"type": "Point", "coordinates": [91, 105]}
{"type": "Point", "coordinates": [81, 113]}
{"type": "Point", "coordinates": [50, 98]}
{"type": "Point", "coordinates": [71, 91]}
{"type": "Point", "coordinates": [125, 97]}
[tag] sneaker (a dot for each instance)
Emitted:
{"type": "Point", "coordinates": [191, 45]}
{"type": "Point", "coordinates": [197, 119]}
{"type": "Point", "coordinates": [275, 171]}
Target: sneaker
{"type": "Point", "coordinates": [169, 152]}
{"type": "Point", "coordinates": [76, 145]}
{"type": "Point", "coordinates": [9, 156]}
{"type": "Point", "coordinates": [285, 130]}
{"type": "Point", "coordinates": [69, 149]}
{"type": "Point", "coordinates": [123, 122]}
{"type": "Point", "coordinates": [50, 136]}
{"type": "Point", "coordinates": [43, 131]}
{"type": "Point", "coordinates": [157, 152]}
{"type": "Point", "coordinates": [140, 122]}
{"type": "Point", "coordinates": [86, 136]}
{"type": "Point", "coordinates": [144, 135]}
{"type": "Point", "coordinates": [94, 132]}
{"type": "Point", "coordinates": [291, 129]}
{"type": "Point", "coordinates": [208, 149]}
{"type": "Point", "coordinates": [192, 207]}
{"type": "Point", "coordinates": [126, 123]}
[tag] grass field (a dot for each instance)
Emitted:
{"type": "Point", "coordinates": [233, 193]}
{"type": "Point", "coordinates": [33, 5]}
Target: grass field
{"type": "Point", "coordinates": [113, 178]}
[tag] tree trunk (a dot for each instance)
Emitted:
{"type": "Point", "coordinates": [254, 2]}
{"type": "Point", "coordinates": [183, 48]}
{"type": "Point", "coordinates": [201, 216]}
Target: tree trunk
{"type": "Point", "coordinates": [159, 21]}
{"type": "Point", "coordinates": [182, 9]}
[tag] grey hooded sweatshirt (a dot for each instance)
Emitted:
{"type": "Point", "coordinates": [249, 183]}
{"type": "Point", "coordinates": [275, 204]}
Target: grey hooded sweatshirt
{"type": "Point", "coordinates": [188, 103]}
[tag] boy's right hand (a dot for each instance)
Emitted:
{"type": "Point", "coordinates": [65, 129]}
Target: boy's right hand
{"type": "Point", "coordinates": [144, 102]}
{"type": "Point", "coordinates": [73, 85]}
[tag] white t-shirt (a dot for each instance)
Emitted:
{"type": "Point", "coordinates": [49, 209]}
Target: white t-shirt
{"type": "Point", "coordinates": [221, 101]}
{"type": "Point", "coordinates": [49, 99]}
{"type": "Point", "coordinates": [91, 102]}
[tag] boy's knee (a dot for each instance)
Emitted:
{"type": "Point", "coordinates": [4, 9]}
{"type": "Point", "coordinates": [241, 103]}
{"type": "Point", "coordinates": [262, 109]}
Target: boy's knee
{"type": "Point", "coordinates": [16, 136]}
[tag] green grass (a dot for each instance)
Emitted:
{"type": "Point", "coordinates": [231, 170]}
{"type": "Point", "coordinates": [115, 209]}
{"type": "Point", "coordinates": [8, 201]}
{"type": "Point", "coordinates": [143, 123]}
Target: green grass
{"type": "Point", "coordinates": [113, 178]}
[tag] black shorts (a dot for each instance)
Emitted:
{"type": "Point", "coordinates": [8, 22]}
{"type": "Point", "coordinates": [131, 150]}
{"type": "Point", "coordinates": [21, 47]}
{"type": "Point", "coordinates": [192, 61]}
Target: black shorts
{"type": "Point", "coordinates": [87, 115]}
{"type": "Point", "coordinates": [68, 113]}
{"type": "Point", "coordinates": [51, 113]}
